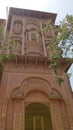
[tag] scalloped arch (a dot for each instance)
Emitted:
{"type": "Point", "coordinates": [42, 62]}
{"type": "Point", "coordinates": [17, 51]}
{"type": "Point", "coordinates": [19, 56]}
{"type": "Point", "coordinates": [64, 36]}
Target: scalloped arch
{"type": "Point", "coordinates": [38, 84]}
{"type": "Point", "coordinates": [32, 83]}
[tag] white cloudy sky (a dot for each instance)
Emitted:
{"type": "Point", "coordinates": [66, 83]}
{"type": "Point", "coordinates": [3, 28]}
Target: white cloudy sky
{"type": "Point", "coordinates": [61, 7]}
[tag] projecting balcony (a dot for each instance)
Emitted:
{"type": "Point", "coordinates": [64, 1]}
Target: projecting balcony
{"type": "Point", "coordinates": [34, 48]}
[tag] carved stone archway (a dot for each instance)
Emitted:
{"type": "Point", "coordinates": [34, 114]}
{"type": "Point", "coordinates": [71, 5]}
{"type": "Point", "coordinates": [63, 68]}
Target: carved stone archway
{"type": "Point", "coordinates": [31, 90]}
{"type": "Point", "coordinates": [30, 84]}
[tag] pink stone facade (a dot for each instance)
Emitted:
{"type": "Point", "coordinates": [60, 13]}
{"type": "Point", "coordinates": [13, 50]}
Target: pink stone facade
{"type": "Point", "coordinates": [29, 81]}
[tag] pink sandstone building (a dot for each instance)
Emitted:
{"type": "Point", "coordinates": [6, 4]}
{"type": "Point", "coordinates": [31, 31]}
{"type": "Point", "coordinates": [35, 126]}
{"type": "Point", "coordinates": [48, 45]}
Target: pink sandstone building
{"type": "Point", "coordinates": [30, 98]}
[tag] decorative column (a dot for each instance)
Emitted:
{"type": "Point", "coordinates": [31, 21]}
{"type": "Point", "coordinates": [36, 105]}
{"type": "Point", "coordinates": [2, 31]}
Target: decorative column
{"type": "Point", "coordinates": [4, 107]}
{"type": "Point", "coordinates": [23, 116]}
{"type": "Point", "coordinates": [56, 115]}
{"type": "Point", "coordinates": [23, 39]}
{"type": "Point", "coordinates": [43, 40]}
{"type": "Point", "coordinates": [68, 102]}
{"type": "Point", "coordinates": [52, 116]}
{"type": "Point", "coordinates": [18, 114]}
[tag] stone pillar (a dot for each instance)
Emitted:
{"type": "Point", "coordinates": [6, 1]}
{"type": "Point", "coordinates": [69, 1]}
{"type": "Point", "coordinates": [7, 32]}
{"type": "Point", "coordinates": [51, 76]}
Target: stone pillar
{"type": "Point", "coordinates": [12, 22]}
{"type": "Point", "coordinates": [23, 115]}
{"type": "Point", "coordinates": [52, 116]}
{"type": "Point", "coordinates": [69, 115]}
{"type": "Point", "coordinates": [4, 109]}
{"type": "Point", "coordinates": [18, 115]}
{"type": "Point", "coordinates": [68, 101]}
{"type": "Point", "coordinates": [56, 115]}
{"type": "Point", "coordinates": [43, 40]}
{"type": "Point", "coordinates": [23, 39]}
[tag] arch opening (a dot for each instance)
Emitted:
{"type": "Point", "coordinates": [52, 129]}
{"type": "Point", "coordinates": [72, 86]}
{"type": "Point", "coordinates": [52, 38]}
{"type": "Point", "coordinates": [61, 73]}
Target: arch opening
{"type": "Point", "coordinates": [38, 117]}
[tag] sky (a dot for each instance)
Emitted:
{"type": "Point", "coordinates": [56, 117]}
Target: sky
{"type": "Point", "coordinates": [61, 7]}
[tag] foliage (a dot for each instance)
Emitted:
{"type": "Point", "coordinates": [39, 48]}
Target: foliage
{"type": "Point", "coordinates": [64, 40]}
{"type": "Point", "coordinates": [1, 32]}
{"type": "Point", "coordinates": [13, 45]}
{"type": "Point", "coordinates": [1, 69]}
{"type": "Point", "coordinates": [62, 44]}
{"type": "Point", "coordinates": [12, 48]}
{"type": "Point", "coordinates": [59, 80]}
{"type": "Point", "coordinates": [66, 36]}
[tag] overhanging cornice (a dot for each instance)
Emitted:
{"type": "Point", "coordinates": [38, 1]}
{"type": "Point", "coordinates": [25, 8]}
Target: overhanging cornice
{"type": "Point", "coordinates": [29, 13]}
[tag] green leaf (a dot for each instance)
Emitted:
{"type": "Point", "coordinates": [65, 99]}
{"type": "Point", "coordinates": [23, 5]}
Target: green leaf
{"type": "Point", "coordinates": [60, 80]}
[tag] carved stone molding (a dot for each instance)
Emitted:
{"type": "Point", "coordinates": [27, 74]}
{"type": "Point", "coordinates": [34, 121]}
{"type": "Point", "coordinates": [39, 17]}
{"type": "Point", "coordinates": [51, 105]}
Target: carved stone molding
{"type": "Point", "coordinates": [35, 83]}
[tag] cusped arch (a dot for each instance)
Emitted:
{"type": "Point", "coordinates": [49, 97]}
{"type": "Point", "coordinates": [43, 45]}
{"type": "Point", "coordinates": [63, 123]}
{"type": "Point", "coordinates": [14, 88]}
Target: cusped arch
{"type": "Point", "coordinates": [32, 83]}
{"type": "Point", "coordinates": [36, 84]}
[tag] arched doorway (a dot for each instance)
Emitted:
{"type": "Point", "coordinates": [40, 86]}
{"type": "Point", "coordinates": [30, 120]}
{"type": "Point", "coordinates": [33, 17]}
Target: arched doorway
{"type": "Point", "coordinates": [37, 117]}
